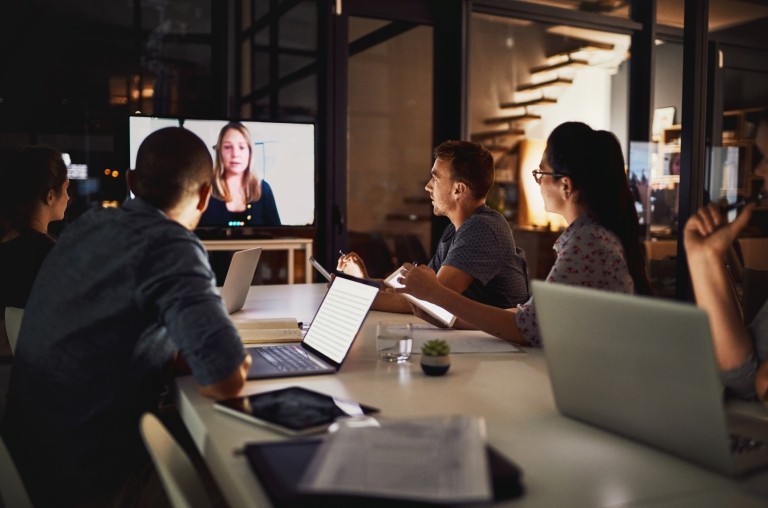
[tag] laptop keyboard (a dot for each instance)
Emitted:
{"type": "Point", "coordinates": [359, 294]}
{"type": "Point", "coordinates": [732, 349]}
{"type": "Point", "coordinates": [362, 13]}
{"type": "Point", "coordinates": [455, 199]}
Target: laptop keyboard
{"type": "Point", "coordinates": [288, 359]}
{"type": "Point", "coordinates": [743, 444]}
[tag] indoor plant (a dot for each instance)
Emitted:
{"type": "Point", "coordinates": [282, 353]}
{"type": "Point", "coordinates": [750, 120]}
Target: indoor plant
{"type": "Point", "coordinates": [435, 357]}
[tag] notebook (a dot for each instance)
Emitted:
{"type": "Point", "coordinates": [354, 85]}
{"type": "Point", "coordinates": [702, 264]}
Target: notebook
{"type": "Point", "coordinates": [643, 368]}
{"type": "Point", "coordinates": [437, 312]}
{"type": "Point", "coordinates": [329, 337]}
{"type": "Point", "coordinates": [239, 278]}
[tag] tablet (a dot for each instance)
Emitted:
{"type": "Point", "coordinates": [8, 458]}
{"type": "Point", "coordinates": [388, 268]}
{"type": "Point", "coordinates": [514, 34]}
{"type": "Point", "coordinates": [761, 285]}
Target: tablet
{"type": "Point", "coordinates": [320, 268]}
{"type": "Point", "coordinates": [294, 410]}
{"type": "Point", "coordinates": [433, 310]}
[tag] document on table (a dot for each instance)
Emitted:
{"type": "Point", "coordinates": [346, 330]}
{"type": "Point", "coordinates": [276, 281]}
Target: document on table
{"type": "Point", "coordinates": [438, 459]}
{"type": "Point", "coordinates": [462, 341]}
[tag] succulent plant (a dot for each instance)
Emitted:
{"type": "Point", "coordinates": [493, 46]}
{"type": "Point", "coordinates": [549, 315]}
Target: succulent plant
{"type": "Point", "coordinates": [435, 347]}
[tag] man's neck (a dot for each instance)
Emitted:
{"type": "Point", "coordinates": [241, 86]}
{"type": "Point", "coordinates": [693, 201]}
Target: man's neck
{"type": "Point", "coordinates": [464, 211]}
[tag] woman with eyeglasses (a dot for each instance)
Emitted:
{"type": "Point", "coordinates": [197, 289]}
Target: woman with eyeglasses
{"type": "Point", "coordinates": [582, 178]}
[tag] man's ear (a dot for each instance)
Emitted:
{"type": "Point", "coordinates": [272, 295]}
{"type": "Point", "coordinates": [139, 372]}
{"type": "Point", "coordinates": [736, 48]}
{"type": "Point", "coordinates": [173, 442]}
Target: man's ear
{"type": "Point", "coordinates": [203, 196]}
{"type": "Point", "coordinates": [459, 188]}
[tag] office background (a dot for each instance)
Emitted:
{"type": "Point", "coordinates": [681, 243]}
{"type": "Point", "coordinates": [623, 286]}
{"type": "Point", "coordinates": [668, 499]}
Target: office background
{"type": "Point", "coordinates": [386, 81]}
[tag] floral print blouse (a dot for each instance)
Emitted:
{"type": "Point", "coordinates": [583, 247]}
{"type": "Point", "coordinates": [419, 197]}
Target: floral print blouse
{"type": "Point", "coordinates": [587, 254]}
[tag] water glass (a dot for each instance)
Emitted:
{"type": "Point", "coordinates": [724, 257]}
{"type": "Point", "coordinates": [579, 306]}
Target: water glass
{"type": "Point", "coordinates": [394, 341]}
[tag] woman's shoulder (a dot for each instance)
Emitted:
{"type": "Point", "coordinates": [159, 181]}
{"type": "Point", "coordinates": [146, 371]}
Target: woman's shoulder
{"type": "Point", "coordinates": [30, 244]}
{"type": "Point", "coordinates": [587, 230]}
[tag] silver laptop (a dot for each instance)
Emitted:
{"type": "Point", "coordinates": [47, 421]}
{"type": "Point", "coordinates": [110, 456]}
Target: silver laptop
{"type": "Point", "coordinates": [328, 339]}
{"type": "Point", "coordinates": [643, 368]}
{"type": "Point", "coordinates": [239, 278]}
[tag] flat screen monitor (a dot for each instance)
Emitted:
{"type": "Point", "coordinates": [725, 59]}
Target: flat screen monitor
{"type": "Point", "coordinates": [282, 158]}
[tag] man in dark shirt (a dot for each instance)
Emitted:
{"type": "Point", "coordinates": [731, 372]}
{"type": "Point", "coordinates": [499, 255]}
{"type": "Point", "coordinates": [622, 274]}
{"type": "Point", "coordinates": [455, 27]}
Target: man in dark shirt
{"type": "Point", "coordinates": [477, 255]}
{"type": "Point", "coordinates": [121, 296]}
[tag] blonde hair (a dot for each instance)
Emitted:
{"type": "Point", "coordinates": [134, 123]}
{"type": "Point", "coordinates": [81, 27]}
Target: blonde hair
{"type": "Point", "coordinates": [251, 182]}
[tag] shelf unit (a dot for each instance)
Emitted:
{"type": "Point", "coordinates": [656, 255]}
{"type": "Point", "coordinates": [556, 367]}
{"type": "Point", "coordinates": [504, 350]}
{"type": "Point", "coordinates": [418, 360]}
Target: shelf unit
{"type": "Point", "coordinates": [732, 175]}
{"type": "Point", "coordinates": [739, 128]}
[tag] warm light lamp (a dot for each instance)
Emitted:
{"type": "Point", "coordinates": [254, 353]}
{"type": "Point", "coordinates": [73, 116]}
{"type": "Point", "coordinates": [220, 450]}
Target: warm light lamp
{"type": "Point", "coordinates": [532, 212]}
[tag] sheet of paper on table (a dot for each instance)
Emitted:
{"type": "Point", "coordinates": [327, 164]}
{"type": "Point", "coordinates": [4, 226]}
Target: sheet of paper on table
{"type": "Point", "coordinates": [461, 341]}
{"type": "Point", "coordinates": [437, 459]}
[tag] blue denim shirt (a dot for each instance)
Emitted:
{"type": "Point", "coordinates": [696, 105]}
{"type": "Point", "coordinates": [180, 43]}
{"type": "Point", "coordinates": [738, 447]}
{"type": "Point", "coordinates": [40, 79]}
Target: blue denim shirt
{"type": "Point", "coordinates": [120, 293]}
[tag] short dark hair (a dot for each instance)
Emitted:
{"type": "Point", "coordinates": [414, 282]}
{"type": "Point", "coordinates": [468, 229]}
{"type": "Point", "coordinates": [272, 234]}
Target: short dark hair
{"type": "Point", "coordinates": [170, 163]}
{"type": "Point", "coordinates": [470, 163]}
{"type": "Point", "coordinates": [26, 175]}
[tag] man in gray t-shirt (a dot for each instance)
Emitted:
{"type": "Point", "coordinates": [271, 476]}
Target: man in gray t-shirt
{"type": "Point", "coordinates": [477, 255]}
{"type": "Point", "coordinates": [484, 248]}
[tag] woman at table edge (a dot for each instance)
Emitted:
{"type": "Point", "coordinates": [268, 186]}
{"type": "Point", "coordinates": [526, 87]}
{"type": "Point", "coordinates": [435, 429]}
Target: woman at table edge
{"type": "Point", "coordinates": [582, 178]}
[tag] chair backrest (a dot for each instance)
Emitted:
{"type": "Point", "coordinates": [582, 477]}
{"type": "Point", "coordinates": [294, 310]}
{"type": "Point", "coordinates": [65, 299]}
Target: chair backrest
{"type": "Point", "coordinates": [409, 249]}
{"type": "Point", "coordinates": [754, 284]}
{"type": "Point", "coordinates": [181, 481]}
{"type": "Point", "coordinates": [754, 252]}
{"type": "Point", "coordinates": [13, 317]}
{"type": "Point", "coordinates": [12, 489]}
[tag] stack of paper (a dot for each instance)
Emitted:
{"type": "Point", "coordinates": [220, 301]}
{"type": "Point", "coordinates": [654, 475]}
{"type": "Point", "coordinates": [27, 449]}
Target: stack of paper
{"type": "Point", "coordinates": [439, 459]}
{"type": "Point", "coordinates": [262, 331]}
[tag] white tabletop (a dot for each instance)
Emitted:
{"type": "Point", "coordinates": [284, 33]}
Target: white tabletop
{"type": "Point", "coordinates": [564, 462]}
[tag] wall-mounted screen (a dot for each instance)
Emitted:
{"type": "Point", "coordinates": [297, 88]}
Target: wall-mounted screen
{"type": "Point", "coordinates": [265, 171]}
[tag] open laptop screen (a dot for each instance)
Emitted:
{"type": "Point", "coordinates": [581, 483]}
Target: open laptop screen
{"type": "Point", "coordinates": [340, 317]}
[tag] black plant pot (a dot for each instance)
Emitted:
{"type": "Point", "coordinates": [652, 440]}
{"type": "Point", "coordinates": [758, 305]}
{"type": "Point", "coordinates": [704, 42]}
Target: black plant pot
{"type": "Point", "coordinates": [435, 365]}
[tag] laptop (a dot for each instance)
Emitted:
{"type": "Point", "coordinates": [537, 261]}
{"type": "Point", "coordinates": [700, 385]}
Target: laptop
{"type": "Point", "coordinates": [239, 278]}
{"type": "Point", "coordinates": [329, 337]}
{"type": "Point", "coordinates": [644, 368]}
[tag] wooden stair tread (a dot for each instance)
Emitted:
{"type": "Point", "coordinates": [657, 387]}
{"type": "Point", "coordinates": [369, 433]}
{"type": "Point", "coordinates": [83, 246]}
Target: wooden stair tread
{"type": "Point", "coordinates": [545, 84]}
{"type": "Point", "coordinates": [543, 101]}
{"type": "Point", "coordinates": [571, 62]}
{"type": "Point", "coordinates": [512, 118]}
{"type": "Point", "coordinates": [584, 46]}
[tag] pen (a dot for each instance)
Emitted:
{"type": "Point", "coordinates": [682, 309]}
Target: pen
{"type": "Point", "coordinates": [757, 198]}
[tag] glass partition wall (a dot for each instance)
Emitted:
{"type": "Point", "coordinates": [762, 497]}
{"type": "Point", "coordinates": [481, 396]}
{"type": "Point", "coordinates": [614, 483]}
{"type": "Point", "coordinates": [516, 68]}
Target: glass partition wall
{"type": "Point", "coordinates": [527, 77]}
{"type": "Point", "coordinates": [389, 143]}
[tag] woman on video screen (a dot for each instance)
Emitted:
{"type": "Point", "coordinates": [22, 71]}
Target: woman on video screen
{"type": "Point", "coordinates": [239, 197]}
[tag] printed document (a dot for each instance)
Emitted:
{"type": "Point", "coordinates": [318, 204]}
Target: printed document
{"type": "Point", "coordinates": [438, 459]}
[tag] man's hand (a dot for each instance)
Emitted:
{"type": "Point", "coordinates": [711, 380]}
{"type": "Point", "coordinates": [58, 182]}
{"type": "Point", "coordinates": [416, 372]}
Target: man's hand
{"type": "Point", "coordinates": [231, 385]}
{"type": "Point", "coordinates": [707, 233]}
{"type": "Point", "coordinates": [419, 281]}
{"type": "Point", "coordinates": [353, 265]}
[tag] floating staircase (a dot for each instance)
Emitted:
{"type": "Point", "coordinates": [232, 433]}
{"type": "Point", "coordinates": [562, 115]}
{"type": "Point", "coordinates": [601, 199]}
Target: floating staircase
{"type": "Point", "coordinates": [532, 98]}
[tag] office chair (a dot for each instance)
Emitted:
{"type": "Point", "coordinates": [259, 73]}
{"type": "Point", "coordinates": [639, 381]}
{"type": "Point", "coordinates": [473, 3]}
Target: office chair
{"type": "Point", "coordinates": [13, 317]}
{"type": "Point", "coordinates": [408, 249]}
{"type": "Point", "coordinates": [12, 489]}
{"type": "Point", "coordinates": [754, 291]}
{"type": "Point", "coordinates": [181, 481]}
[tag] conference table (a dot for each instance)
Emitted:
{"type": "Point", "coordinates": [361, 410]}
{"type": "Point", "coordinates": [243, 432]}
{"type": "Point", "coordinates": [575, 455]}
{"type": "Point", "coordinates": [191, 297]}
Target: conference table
{"type": "Point", "coordinates": [564, 462]}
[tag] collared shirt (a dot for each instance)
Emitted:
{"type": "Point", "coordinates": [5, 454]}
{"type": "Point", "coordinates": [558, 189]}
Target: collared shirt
{"type": "Point", "coordinates": [587, 254]}
{"type": "Point", "coordinates": [484, 248]}
{"type": "Point", "coordinates": [123, 290]}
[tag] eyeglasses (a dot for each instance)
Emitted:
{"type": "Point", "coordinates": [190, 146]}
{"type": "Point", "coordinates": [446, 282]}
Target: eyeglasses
{"type": "Point", "coordinates": [537, 174]}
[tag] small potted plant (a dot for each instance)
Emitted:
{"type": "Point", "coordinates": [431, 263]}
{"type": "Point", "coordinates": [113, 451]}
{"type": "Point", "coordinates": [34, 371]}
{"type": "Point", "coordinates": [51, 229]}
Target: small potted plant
{"type": "Point", "coordinates": [435, 357]}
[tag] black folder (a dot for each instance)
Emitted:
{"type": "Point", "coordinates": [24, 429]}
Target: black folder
{"type": "Point", "coordinates": [279, 466]}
